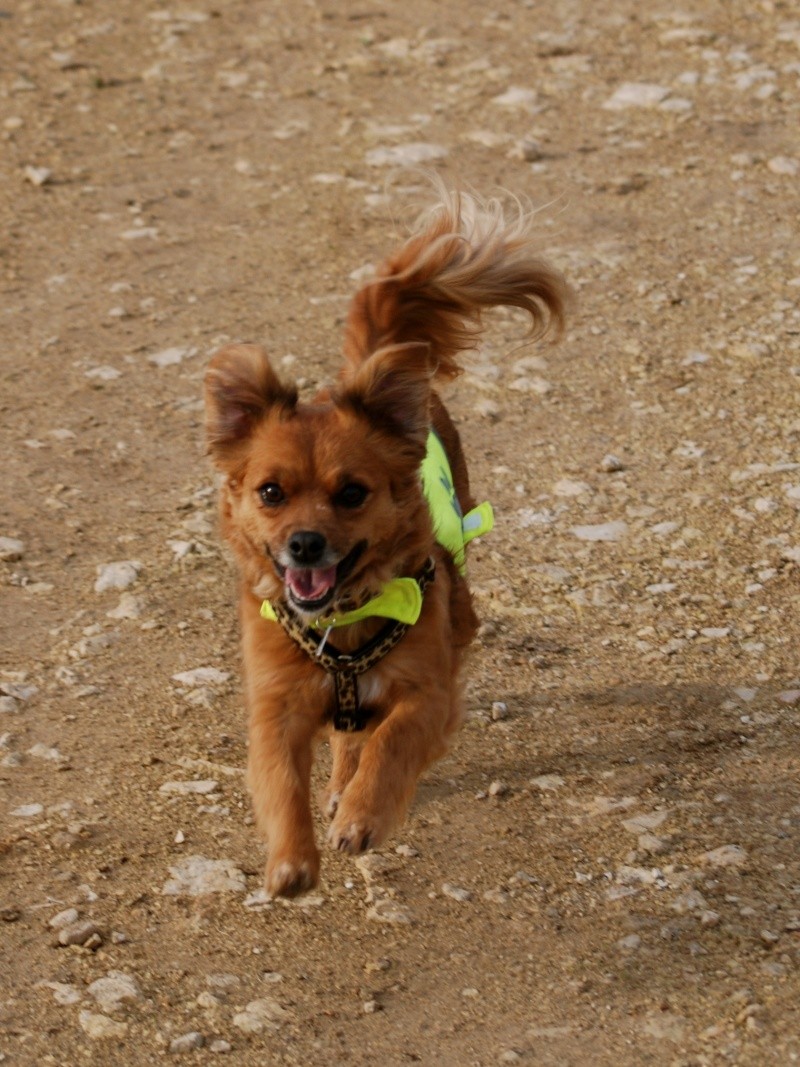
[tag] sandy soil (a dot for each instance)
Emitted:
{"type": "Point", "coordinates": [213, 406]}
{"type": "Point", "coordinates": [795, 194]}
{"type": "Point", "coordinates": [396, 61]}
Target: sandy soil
{"type": "Point", "coordinates": [605, 869]}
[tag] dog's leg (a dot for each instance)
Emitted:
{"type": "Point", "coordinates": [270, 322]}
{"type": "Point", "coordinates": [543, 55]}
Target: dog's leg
{"type": "Point", "coordinates": [346, 752]}
{"type": "Point", "coordinates": [279, 772]}
{"type": "Point", "coordinates": [393, 757]}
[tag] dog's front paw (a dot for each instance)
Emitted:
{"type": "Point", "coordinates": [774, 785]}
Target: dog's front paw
{"type": "Point", "coordinates": [355, 832]}
{"type": "Point", "coordinates": [286, 877]}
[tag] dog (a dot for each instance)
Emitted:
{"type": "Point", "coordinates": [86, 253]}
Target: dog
{"type": "Point", "coordinates": [348, 517]}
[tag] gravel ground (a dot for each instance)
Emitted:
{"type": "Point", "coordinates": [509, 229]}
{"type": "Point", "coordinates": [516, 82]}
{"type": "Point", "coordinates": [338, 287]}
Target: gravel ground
{"type": "Point", "coordinates": [605, 869]}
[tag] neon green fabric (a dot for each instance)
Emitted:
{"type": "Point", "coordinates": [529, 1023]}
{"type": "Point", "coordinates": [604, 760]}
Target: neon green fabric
{"type": "Point", "coordinates": [452, 529]}
{"type": "Point", "coordinates": [401, 598]}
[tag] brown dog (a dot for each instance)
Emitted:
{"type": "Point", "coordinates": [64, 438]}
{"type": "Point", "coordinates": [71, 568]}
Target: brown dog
{"type": "Point", "coordinates": [354, 608]}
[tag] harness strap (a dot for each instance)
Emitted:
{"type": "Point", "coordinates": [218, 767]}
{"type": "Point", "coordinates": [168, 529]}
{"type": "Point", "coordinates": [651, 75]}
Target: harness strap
{"type": "Point", "coordinates": [348, 715]}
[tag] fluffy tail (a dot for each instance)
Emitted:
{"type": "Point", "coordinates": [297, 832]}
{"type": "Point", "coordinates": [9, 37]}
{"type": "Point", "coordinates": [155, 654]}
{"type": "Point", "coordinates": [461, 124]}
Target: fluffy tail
{"type": "Point", "coordinates": [466, 257]}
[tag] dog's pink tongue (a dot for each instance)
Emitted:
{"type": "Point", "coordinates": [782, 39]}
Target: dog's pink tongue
{"type": "Point", "coordinates": [310, 583]}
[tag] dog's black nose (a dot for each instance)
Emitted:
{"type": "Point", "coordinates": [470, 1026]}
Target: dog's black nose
{"type": "Point", "coordinates": [306, 547]}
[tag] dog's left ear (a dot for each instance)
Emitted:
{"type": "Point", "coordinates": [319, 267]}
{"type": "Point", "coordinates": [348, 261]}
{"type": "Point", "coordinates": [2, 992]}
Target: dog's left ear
{"type": "Point", "coordinates": [240, 387]}
{"type": "Point", "coordinates": [392, 388]}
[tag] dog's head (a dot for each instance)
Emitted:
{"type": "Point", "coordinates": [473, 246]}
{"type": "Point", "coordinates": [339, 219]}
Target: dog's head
{"type": "Point", "coordinates": [322, 501]}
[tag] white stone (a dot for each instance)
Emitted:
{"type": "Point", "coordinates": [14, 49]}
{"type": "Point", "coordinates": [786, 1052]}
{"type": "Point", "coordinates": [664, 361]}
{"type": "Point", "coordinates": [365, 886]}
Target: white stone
{"type": "Point", "coordinates": [784, 165]}
{"type": "Point", "coordinates": [195, 787]}
{"type": "Point", "coordinates": [111, 992]}
{"type": "Point", "coordinates": [262, 1014]}
{"type": "Point", "coordinates": [636, 94]}
{"type": "Point", "coordinates": [405, 155]}
{"type": "Point", "coordinates": [63, 918]}
{"type": "Point", "coordinates": [456, 892]}
{"type": "Point", "coordinates": [100, 1027]}
{"type": "Point", "coordinates": [104, 373]}
{"type": "Point", "coordinates": [566, 487]}
{"type": "Point", "coordinates": [38, 175]}
{"type": "Point", "coordinates": [605, 531]}
{"type": "Point", "coordinates": [201, 676]}
{"type": "Point", "coordinates": [27, 811]}
{"type": "Point", "coordinates": [118, 575]}
{"type": "Point", "coordinates": [197, 876]}
{"type": "Point", "coordinates": [547, 782]}
{"type": "Point", "coordinates": [169, 357]}
{"type": "Point", "coordinates": [726, 856]}
{"type": "Point", "coordinates": [11, 549]}
{"type": "Point", "coordinates": [516, 97]}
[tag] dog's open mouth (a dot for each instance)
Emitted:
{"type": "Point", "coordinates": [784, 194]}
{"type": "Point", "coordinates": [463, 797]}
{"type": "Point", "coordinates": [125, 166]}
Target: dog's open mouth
{"type": "Point", "coordinates": [313, 588]}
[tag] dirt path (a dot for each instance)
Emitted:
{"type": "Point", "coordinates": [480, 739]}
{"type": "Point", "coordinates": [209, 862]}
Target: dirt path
{"type": "Point", "coordinates": [605, 870]}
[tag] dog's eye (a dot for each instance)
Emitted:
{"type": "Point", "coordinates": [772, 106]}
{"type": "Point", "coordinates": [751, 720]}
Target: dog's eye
{"type": "Point", "coordinates": [271, 494]}
{"type": "Point", "coordinates": [351, 495]}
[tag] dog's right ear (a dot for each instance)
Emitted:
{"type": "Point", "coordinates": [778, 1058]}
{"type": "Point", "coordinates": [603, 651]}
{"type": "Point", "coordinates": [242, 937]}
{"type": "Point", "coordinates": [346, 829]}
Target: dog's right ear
{"type": "Point", "coordinates": [240, 387]}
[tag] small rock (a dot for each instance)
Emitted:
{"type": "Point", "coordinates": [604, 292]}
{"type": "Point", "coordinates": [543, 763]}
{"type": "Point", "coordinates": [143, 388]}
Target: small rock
{"type": "Point", "coordinates": [201, 676]}
{"type": "Point", "coordinates": [187, 1042]}
{"type": "Point", "coordinates": [630, 943]}
{"type": "Point", "coordinates": [27, 811]}
{"type": "Point", "coordinates": [499, 711]}
{"type": "Point", "coordinates": [636, 94]}
{"type": "Point", "coordinates": [11, 549]}
{"type": "Point", "coordinates": [111, 992]}
{"type": "Point", "coordinates": [262, 1014]}
{"type": "Point", "coordinates": [80, 933]}
{"type": "Point", "coordinates": [63, 993]}
{"type": "Point", "coordinates": [386, 910]}
{"type": "Point", "coordinates": [498, 789]}
{"type": "Point", "coordinates": [405, 155]}
{"type": "Point", "coordinates": [370, 1007]}
{"type": "Point", "coordinates": [197, 787]}
{"type": "Point", "coordinates": [606, 531]}
{"type": "Point", "coordinates": [63, 918]}
{"type": "Point", "coordinates": [726, 856]}
{"type": "Point", "coordinates": [611, 463]}
{"type": "Point", "coordinates": [784, 165]}
{"type": "Point", "coordinates": [38, 175]}
{"type": "Point", "coordinates": [119, 575]}
{"type": "Point", "coordinates": [197, 876]}
{"type": "Point", "coordinates": [129, 607]}
{"type": "Point", "coordinates": [100, 1027]}
{"type": "Point", "coordinates": [456, 892]}
{"type": "Point", "coordinates": [220, 1045]}
{"type": "Point", "coordinates": [171, 356]}
{"type": "Point", "coordinates": [516, 97]}
{"type": "Point", "coordinates": [547, 782]}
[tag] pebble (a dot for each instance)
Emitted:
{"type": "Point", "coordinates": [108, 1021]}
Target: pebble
{"type": "Point", "coordinates": [63, 993]}
{"type": "Point", "coordinates": [259, 1015]}
{"type": "Point", "coordinates": [103, 373]}
{"type": "Point", "coordinates": [118, 575]}
{"type": "Point", "coordinates": [11, 549]}
{"type": "Point", "coordinates": [79, 933]}
{"type": "Point", "coordinates": [38, 175]}
{"type": "Point", "coordinates": [63, 918]}
{"type": "Point", "coordinates": [784, 165]}
{"type": "Point", "coordinates": [499, 711]}
{"type": "Point", "coordinates": [201, 676]}
{"type": "Point", "coordinates": [606, 531]}
{"type": "Point", "coordinates": [610, 463]}
{"type": "Point", "coordinates": [726, 856]}
{"type": "Point", "coordinates": [197, 876]}
{"type": "Point", "coordinates": [456, 892]}
{"type": "Point", "coordinates": [187, 1042]}
{"type": "Point", "coordinates": [196, 787]}
{"type": "Point", "coordinates": [516, 97]}
{"type": "Point", "coordinates": [636, 94]}
{"type": "Point", "coordinates": [27, 811]}
{"type": "Point", "coordinates": [111, 992]}
{"type": "Point", "coordinates": [405, 155]}
{"type": "Point", "coordinates": [498, 789]}
{"type": "Point", "coordinates": [100, 1027]}
{"type": "Point", "coordinates": [169, 357]}
{"type": "Point", "coordinates": [387, 910]}
{"type": "Point", "coordinates": [547, 782]}
{"type": "Point", "coordinates": [220, 1045]}
{"type": "Point", "coordinates": [129, 607]}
